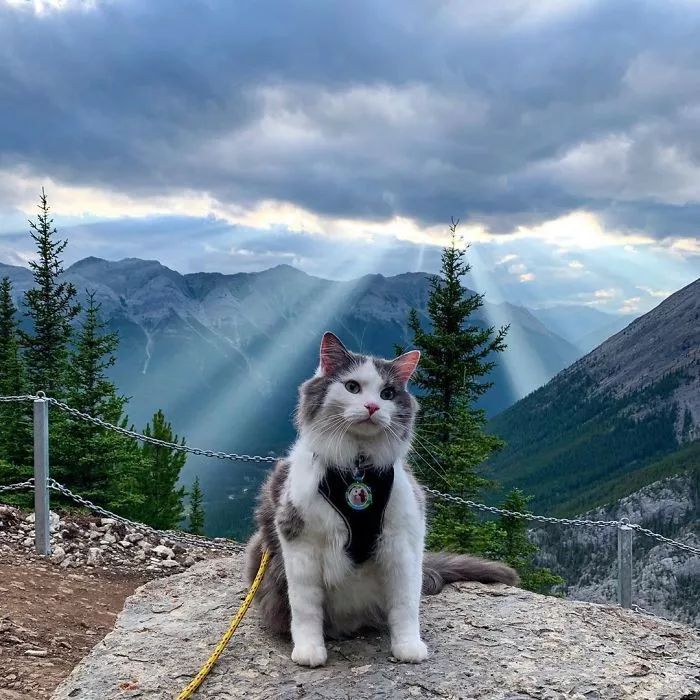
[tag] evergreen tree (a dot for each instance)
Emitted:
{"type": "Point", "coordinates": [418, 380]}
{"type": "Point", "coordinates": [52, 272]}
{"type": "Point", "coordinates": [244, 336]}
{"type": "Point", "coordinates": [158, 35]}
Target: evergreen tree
{"type": "Point", "coordinates": [15, 422]}
{"type": "Point", "coordinates": [157, 477]}
{"type": "Point", "coordinates": [196, 509]}
{"type": "Point", "coordinates": [456, 357]}
{"type": "Point", "coordinates": [519, 551]}
{"type": "Point", "coordinates": [51, 306]}
{"type": "Point", "coordinates": [98, 459]}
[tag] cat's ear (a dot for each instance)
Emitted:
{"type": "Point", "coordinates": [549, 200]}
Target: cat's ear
{"type": "Point", "coordinates": [405, 365]}
{"type": "Point", "coordinates": [333, 354]}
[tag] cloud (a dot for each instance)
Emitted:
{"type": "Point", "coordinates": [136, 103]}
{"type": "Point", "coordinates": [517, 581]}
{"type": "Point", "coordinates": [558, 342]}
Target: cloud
{"type": "Point", "coordinates": [506, 259]}
{"type": "Point", "coordinates": [599, 297]}
{"type": "Point", "coordinates": [630, 305]}
{"type": "Point", "coordinates": [656, 293]}
{"type": "Point", "coordinates": [511, 116]}
{"type": "Point", "coordinates": [606, 293]}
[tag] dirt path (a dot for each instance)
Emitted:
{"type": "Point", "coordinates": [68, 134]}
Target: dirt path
{"type": "Point", "coordinates": [50, 618]}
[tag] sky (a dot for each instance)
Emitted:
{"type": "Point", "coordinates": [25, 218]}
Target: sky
{"type": "Point", "coordinates": [341, 138]}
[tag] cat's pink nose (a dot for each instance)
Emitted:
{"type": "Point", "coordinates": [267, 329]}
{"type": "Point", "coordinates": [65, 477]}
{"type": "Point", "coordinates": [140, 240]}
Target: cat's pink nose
{"type": "Point", "coordinates": [371, 408]}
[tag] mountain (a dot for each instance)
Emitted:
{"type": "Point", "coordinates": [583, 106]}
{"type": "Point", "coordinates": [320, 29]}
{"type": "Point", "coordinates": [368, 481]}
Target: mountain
{"type": "Point", "coordinates": [600, 425]}
{"type": "Point", "coordinates": [223, 355]}
{"type": "Point", "coordinates": [583, 326]}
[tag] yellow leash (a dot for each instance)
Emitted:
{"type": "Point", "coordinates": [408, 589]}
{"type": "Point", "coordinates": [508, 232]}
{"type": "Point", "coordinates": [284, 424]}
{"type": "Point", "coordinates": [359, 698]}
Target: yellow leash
{"type": "Point", "coordinates": [197, 681]}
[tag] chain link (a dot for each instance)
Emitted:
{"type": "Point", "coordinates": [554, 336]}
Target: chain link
{"type": "Point", "coordinates": [177, 536]}
{"type": "Point", "coordinates": [155, 441]}
{"type": "Point", "coordinates": [665, 540]}
{"type": "Point", "coordinates": [28, 484]}
{"type": "Point", "coordinates": [563, 521]}
{"type": "Point", "coordinates": [523, 516]}
{"type": "Point", "coordinates": [139, 436]}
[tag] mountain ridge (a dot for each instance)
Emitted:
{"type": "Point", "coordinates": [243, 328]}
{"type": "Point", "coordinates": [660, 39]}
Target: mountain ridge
{"type": "Point", "coordinates": [632, 400]}
{"type": "Point", "coordinates": [223, 355]}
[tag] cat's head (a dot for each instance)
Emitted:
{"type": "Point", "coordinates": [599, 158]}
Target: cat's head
{"type": "Point", "coordinates": [356, 403]}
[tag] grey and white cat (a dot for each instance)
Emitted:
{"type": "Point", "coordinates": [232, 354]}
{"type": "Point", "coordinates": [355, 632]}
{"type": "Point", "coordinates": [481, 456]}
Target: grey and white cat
{"type": "Point", "coordinates": [344, 518]}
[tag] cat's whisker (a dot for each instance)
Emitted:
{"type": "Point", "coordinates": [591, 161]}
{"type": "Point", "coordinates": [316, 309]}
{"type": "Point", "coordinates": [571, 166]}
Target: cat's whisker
{"type": "Point", "coordinates": [441, 474]}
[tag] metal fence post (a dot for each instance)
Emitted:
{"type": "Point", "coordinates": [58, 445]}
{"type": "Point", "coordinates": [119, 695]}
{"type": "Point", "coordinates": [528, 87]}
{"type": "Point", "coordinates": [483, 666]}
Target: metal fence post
{"type": "Point", "coordinates": [42, 537]}
{"type": "Point", "coordinates": [624, 564]}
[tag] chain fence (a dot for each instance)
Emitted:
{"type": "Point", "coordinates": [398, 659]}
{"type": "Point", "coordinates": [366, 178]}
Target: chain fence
{"type": "Point", "coordinates": [138, 436]}
{"type": "Point", "coordinates": [576, 522]}
{"type": "Point", "coordinates": [562, 521]}
{"type": "Point", "coordinates": [21, 485]}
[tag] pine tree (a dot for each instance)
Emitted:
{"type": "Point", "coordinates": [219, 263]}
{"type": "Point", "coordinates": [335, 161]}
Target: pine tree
{"type": "Point", "coordinates": [456, 357]}
{"type": "Point", "coordinates": [96, 458]}
{"type": "Point", "coordinates": [196, 509]}
{"type": "Point", "coordinates": [517, 549]}
{"type": "Point", "coordinates": [157, 477]}
{"type": "Point", "coordinates": [15, 422]}
{"type": "Point", "coordinates": [51, 306]}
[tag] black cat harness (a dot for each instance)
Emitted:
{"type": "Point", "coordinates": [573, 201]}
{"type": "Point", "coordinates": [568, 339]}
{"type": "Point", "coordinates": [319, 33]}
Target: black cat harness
{"type": "Point", "coordinates": [360, 498]}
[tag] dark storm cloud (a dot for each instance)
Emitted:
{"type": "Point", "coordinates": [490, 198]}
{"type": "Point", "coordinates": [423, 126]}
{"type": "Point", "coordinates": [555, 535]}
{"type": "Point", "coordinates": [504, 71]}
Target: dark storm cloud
{"type": "Point", "coordinates": [502, 115]}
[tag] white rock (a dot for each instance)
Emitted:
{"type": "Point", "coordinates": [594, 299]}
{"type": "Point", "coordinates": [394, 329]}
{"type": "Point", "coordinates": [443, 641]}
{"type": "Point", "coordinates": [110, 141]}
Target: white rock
{"type": "Point", "coordinates": [95, 557]}
{"type": "Point", "coordinates": [54, 520]}
{"type": "Point", "coordinates": [170, 564]}
{"type": "Point", "coordinates": [145, 545]}
{"type": "Point", "coordinates": [58, 554]}
{"type": "Point", "coordinates": [163, 552]}
{"type": "Point", "coordinates": [36, 652]}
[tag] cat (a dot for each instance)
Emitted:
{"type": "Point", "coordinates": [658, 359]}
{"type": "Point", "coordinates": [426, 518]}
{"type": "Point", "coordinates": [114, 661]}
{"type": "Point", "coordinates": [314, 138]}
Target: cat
{"type": "Point", "coordinates": [344, 518]}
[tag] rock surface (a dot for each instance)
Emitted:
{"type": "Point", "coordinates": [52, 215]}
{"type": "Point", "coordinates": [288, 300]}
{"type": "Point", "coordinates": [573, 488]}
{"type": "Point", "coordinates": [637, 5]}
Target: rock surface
{"type": "Point", "coordinates": [491, 643]}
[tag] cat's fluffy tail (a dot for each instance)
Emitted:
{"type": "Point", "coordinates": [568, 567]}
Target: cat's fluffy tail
{"type": "Point", "coordinates": [440, 568]}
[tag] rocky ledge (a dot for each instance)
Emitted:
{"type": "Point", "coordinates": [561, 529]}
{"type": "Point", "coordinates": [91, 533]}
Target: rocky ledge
{"type": "Point", "coordinates": [491, 643]}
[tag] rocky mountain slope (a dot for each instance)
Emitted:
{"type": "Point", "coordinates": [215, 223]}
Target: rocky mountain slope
{"type": "Point", "coordinates": [493, 643]}
{"type": "Point", "coordinates": [666, 579]}
{"type": "Point", "coordinates": [603, 422]}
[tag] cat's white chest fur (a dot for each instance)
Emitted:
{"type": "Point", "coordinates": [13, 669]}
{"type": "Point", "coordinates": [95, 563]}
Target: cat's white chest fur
{"type": "Point", "coordinates": [326, 588]}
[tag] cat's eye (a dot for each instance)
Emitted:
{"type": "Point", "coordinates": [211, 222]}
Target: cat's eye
{"type": "Point", "coordinates": [388, 393]}
{"type": "Point", "coordinates": [352, 386]}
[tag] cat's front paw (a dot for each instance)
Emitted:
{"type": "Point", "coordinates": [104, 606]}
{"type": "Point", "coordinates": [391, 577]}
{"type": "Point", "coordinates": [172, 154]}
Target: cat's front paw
{"type": "Point", "coordinates": [412, 652]}
{"type": "Point", "coordinates": [309, 654]}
